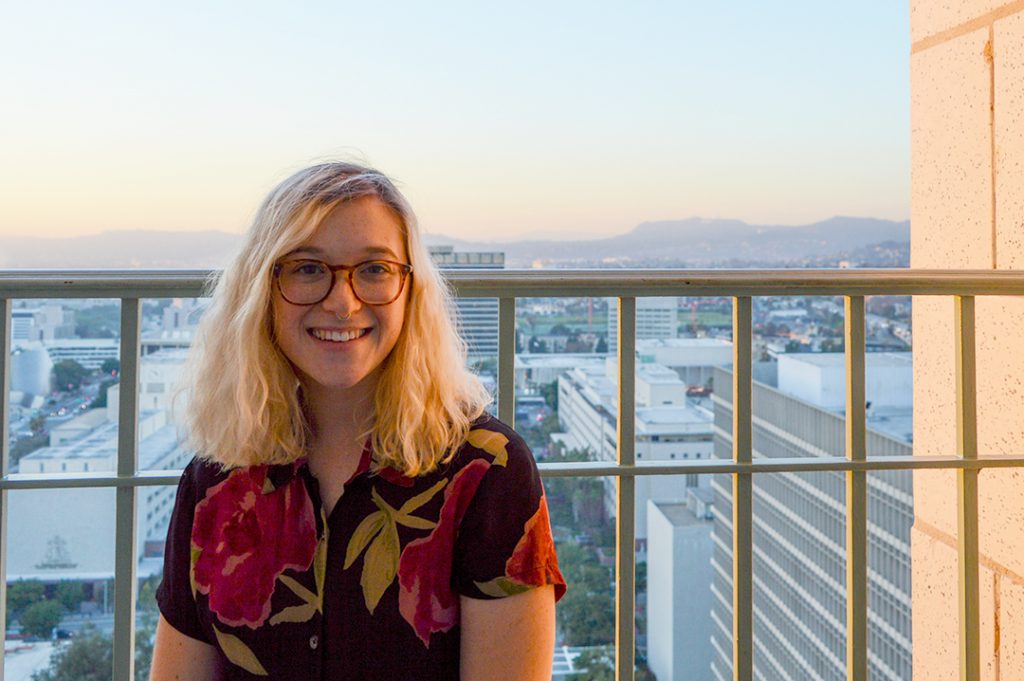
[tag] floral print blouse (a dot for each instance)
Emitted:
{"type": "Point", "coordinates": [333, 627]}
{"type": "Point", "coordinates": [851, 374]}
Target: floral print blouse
{"type": "Point", "coordinates": [254, 566]}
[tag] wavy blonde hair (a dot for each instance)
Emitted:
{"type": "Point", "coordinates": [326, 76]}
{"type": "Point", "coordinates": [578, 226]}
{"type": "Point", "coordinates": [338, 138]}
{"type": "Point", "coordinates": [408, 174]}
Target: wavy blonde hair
{"type": "Point", "coordinates": [244, 401]}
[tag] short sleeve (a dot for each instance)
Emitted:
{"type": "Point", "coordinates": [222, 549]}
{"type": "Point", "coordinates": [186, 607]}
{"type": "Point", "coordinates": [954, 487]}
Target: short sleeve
{"type": "Point", "coordinates": [174, 595]}
{"type": "Point", "coordinates": [504, 544]}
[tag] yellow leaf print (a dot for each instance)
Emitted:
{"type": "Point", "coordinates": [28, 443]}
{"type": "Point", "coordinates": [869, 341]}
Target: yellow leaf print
{"type": "Point", "coordinates": [366, 531]}
{"type": "Point", "coordinates": [238, 653]}
{"type": "Point", "coordinates": [295, 613]}
{"type": "Point", "coordinates": [320, 560]}
{"type": "Point", "coordinates": [380, 565]}
{"type": "Point", "coordinates": [500, 587]}
{"type": "Point", "coordinates": [422, 498]}
{"type": "Point", "coordinates": [491, 442]}
{"type": "Point", "coordinates": [193, 558]}
{"type": "Point", "coordinates": [302, 592]}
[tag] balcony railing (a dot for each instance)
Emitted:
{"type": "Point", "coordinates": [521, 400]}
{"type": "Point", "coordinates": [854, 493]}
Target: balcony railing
{"type": "Point", "coordinates": [130, 287]}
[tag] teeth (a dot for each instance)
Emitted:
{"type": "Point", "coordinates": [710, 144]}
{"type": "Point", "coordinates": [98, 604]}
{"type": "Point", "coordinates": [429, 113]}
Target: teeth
{"type": "Point", "coordinates": [338, 336]}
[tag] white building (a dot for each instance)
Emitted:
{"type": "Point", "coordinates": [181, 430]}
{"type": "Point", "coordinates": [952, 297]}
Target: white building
{"type": "Point", "coordinates": [69, 533]}
{"type": "Point", "coordinates": [89, 352]}
{"type": "Point", "coordinates": [820, 378]}
{"type": "Point", "coordinates": [536, 369]}
{"type": "Point", "coordinates": [679, 574]}
{"type": "Point", "coordinates": [668, 426]}
{"type": "Point", "coordinates": [655, 318]}
{"type": "Point", "coordinates": [31, 369]}
{"type": "Point", "coordinates": [694, 359]}
{"type": "Point", "coordinates": [44, 323]}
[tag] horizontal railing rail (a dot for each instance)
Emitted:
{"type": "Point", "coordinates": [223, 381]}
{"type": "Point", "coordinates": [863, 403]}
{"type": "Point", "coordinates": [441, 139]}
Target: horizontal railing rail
{"type": "Point", "coordinates": [130, 287]}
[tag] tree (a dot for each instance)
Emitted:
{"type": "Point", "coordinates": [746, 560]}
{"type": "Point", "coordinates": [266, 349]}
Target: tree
{"type": "Point", "coordinates": [40, 618]}
{"type": "Point", "coordinates": [111, 366]}
{"type": "Point", "coordinates": [89, 657]}
{"type": "Point", "coordinates": [27, 445]}
{"type": "Point", "coordinates": [70, 595]}
{"type": "Point", "coordinates": [146, 631]}
{"type": "Point", "coordinates": [537, 345]}
{"type": "Point", "coordinates": [100, 400]}
{"type": "Point", "coordinates": [68, 374]}
{"type": "Point", "coordinates": [37, 424]}
{"type": "Point", "coordinates": [23, 593]}
{"type": "Point", "coordinates": [598, 664]}
{"type": "Point", "coordinates": [549, 391]}
{"type": "Point", "coordinates": [602, 345]}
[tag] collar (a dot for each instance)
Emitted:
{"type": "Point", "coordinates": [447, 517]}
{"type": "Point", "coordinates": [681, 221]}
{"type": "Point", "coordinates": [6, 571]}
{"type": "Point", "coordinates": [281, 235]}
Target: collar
{"type": "Point", "coordinates": [282, 474]}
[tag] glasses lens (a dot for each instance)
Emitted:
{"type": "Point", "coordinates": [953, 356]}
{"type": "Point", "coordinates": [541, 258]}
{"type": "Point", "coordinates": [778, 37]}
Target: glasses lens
{"type": "Point", "coordinates": [377, 282]}
{"type": "Point", "coordinates": [304, 281]}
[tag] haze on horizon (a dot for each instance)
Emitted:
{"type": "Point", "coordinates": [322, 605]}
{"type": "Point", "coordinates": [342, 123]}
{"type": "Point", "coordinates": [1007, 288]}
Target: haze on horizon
{"type": "Point", "coordinates": [517, 121]}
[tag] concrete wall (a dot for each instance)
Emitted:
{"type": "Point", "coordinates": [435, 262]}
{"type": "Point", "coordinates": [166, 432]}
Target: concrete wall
{"type": "Point", "coordinates": [967, 141]}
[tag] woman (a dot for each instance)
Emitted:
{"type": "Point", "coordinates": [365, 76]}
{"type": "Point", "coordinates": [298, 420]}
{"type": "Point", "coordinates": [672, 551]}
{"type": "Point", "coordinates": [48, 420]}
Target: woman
{"type": "Point", "coordinates": [352, 512]}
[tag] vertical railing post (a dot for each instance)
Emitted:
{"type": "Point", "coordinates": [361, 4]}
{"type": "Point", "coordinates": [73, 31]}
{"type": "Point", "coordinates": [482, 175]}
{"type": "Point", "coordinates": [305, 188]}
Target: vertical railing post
{"type": "Point", "coordinates": [967, 490]}
{"type": "Point", "coordinates": [856, 495]}
{"type": "Point", "coordinates": [742, 495]}
{"type": "Point", "coordinates": [127, 456]}
{"type": "Point", "coordinates": [507, 360]}
{"type": "Point", "coordinates": [5, 413]}
{"type": "Point", "coordinates": [625, 514]}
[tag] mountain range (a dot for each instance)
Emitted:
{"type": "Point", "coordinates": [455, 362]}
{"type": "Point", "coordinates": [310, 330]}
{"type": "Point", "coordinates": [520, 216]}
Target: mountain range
{"type": "Point", "coordinates": [695, 242]}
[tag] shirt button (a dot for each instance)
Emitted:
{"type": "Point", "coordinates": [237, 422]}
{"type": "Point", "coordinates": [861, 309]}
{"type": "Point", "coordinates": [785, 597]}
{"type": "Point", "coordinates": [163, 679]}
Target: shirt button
{"type": "Point", "coordinates": [314, 641]}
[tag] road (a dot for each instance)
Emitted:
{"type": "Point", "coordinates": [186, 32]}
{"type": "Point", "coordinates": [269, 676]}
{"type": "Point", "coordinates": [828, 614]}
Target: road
{"type": "Point", "coordinates": [18, 666]}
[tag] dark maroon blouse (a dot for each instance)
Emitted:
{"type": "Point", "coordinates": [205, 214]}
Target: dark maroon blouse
{"type": "Point", "coordinates": [253, 566]}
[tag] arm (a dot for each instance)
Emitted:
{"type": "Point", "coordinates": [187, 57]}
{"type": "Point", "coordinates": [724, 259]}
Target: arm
{"type": "Point", "coordinates": [179, 657]}
{"type": "Point", "coordinates": [509, 638]}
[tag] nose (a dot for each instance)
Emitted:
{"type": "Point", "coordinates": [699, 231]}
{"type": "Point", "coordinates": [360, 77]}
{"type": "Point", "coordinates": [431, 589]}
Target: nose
{"type": "Point", "coordinates": [341, 299]}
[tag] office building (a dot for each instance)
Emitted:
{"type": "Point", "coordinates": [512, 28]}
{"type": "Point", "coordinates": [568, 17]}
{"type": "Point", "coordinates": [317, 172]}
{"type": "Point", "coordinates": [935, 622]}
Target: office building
{"type": "Point", "coordinates": [477, 317]}
{"type": "Point", "coordinates": [655, 318]}
{"type": "Point", "coordinates": [799, 523]}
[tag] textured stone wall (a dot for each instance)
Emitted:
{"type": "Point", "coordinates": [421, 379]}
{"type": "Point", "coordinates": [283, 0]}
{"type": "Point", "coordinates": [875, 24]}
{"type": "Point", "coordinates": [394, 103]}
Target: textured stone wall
{"type": "Point", "coordinates": [967, 142]}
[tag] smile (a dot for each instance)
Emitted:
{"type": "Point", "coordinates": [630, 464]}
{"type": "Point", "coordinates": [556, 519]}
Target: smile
{"type": "Point", "coordinates": [336, 336]}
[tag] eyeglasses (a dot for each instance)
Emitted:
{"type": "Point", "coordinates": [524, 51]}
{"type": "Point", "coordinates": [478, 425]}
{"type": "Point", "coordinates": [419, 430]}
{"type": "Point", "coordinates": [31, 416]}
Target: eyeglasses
{"type": "Point", "coordinates": [307, 282]}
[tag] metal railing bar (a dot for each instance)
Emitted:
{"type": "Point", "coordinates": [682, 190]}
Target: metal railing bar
{"type": "Point", "coordinates": [127, 456]}
{"type": "Point", "coordinates": [6, 328]}
{"type": "Point", "coordinates": [507, 360]}
{"type": "Point", "coordinates": [742, 493]}
{"type": "Point", "coordinates": [625, 515]}
{"type": "Point", "coordinates": [514, 283]}
{"type": "Point", "coordinates": [582, 469]}
{"type": "Point", "coordinates": [856, 495]}
{"type": "Point", "coordinates": [967, 490]}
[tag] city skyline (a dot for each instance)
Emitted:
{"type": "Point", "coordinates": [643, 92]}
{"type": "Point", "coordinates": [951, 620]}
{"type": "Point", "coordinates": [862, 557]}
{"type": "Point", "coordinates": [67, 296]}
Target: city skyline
{"type": "Point", "coordinates": [555, 121]}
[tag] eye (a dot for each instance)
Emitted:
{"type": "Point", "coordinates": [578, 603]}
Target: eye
{"type": "Point", "coordinates": [376, 268]}
{"type": "Point", "coordinates": [307, 268]}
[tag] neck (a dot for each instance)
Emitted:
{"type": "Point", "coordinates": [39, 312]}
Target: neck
{"type": "Point", "coordinates": [338, 420]}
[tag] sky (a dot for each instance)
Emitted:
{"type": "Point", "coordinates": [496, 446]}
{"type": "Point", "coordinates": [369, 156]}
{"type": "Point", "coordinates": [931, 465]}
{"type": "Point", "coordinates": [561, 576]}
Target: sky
{"type": "Point", "coordinates": [499, 120]}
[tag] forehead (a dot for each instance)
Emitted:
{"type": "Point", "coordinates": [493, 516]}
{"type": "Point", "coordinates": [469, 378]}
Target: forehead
{"type": "Point", "coordinates": [358, 229]}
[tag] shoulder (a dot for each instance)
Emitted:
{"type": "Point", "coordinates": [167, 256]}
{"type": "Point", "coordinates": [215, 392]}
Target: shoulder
{"type": "Point", "coordinates": [201, 477]}
{"type": "Point", "coordinates": [491, 438]}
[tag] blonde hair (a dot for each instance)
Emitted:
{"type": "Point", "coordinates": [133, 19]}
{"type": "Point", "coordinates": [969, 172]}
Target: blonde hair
{"type": "Point", "coordinates": [244, 401]}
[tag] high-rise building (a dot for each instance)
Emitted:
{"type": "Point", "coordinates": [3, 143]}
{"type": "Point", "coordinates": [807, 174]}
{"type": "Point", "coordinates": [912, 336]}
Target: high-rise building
{"type": "Point", "coordinates": [799, 523]}
{"type": "Point", "coordinates": [655, 318]}
{"type": "Point", "coordinates": [477, 317]}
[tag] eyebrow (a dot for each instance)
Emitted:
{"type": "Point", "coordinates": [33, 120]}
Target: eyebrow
{"type": "Point", "coordinates": [369, 251]}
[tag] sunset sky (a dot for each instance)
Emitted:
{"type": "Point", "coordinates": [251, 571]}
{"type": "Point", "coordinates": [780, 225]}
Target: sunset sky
{"type": "Point", "coordinates": [500, 120]}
